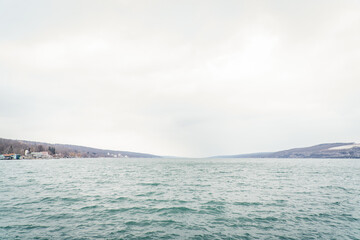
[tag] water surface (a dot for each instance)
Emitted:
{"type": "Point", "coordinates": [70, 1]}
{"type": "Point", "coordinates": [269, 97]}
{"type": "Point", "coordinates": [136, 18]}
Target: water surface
{"type": "Point", "coordinates": [180, 199]}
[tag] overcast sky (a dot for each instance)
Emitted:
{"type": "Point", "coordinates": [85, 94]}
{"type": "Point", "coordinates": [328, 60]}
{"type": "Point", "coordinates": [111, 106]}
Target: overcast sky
{"type": "Point", "coordinates": [182, 78]}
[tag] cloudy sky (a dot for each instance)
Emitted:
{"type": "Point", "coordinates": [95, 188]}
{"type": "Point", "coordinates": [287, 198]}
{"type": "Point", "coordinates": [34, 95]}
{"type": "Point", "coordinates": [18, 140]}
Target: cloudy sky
{"type": "Point", "coordinates": [183, 78]}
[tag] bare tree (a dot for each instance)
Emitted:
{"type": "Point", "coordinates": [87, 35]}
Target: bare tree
{"type": "Point", "coordinates": [40, 148]}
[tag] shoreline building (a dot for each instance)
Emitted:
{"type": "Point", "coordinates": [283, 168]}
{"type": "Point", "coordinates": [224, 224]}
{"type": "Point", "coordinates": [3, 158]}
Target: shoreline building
{"type": "Point", "coordinates": [40, 155]}
{"type": "Point", "coordinates": [9, 156]}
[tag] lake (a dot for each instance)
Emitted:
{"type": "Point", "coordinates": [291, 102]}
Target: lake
{"type": "Point", "coordinates": [180, 199]}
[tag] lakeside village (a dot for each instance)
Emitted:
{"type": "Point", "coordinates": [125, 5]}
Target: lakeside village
{"type": "Point", "coordinates": [51, 154]}
{"type": "Point", "coordinates": [27, 155]}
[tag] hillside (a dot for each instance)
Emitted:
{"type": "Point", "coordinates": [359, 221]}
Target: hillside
{"type": "Point", "coordinates": [326, 150]}
{"type": "Point", "coordinates": [64, 150]}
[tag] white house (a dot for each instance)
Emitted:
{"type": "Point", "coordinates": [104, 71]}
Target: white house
{"type": "Point", "coordinates": [40, 155]}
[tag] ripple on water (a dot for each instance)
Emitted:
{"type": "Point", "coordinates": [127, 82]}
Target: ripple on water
{"type": "Point", "coordinates": [126, 209]}
{"type": "Point", "coordinates": [90, 207]}
{"type": "Point", "coordinates": [120, 200]}
{"type": "Point", "coordinates": [180, 199]}
{"type": "Point", "coordinates": [149, 184]}
{"type": "Point", "coordinates": [247, 203]}
{"type": "Point", "coordinates": [174, 210]}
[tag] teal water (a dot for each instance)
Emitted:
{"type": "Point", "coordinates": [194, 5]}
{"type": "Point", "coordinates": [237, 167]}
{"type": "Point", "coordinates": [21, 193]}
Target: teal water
{"type": "Point", "coordinates": [180, 199]}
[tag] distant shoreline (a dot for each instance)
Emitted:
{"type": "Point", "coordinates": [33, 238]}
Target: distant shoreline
{"type": "Point", "coordinates": [39, 150]}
